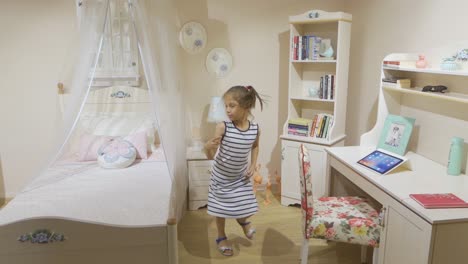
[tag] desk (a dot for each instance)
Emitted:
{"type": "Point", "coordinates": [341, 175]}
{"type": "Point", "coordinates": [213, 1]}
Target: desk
{"type": "Point", "coordinates": [411, 234]}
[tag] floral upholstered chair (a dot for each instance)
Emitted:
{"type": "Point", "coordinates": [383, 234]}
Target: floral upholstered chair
{"type": "Point", "coordinates": [340, 219]}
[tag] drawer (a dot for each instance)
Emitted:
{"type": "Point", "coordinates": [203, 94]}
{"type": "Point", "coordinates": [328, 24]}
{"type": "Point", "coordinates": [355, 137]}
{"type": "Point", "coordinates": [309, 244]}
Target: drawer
{"type": "Point", "coordinates": [198, 193]}
{"type": "Point", "coordinates": [199, 171]}
{"type": "Point", "coordinates": [199, 183]}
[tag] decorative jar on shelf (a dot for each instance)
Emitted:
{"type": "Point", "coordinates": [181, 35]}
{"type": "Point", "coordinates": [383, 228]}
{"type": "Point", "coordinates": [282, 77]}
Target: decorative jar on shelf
{"type": "Point", "coordinates": [449, 64]}
{"type": "Point", "coordinates": [422, 62]}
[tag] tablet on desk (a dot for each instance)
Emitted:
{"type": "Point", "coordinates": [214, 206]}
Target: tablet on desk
{"type": "Point", "coordinates": [381, 162]}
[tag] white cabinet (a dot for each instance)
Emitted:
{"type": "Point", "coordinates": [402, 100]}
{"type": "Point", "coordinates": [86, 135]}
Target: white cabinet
{"type": "Point", "coordinates": [290, 193]}
{"type": "Point", "coordinates": [305, 75]}
{"type": "Point", "coordinates": [199, 173]}
{"type": "Point", "coordinates": [406, 238]}
{"type": "Point", "coordinates": [199, 180]}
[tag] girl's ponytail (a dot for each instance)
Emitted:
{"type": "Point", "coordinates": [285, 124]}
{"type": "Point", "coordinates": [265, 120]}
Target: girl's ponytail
{"type": "Point", "coordinates": [256, 95]}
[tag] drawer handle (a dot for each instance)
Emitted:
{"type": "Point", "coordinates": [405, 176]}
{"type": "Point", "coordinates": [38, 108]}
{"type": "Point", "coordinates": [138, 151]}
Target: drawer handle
{"type": "Point", "coordinates": [209, 171]}
{"type": "Point", "coordinates": [382, 217]}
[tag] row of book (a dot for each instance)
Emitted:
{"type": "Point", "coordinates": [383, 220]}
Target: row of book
{"type": "Point", "coordinates": [305, 47]}
{"type": "Point", "coordinates": [299, 126]}
{"type": "Point", "coordinates": [321, 125]}
{"type": "Point", "coordinates": [318, 127]}
{"type": "Point", "coordinates": [327, 87]}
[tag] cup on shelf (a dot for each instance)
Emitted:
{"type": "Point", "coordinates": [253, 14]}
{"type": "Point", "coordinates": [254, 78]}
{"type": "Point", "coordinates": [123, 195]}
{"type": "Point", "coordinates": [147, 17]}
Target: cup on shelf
{"type": "Point", "coordinates": [449, 64]}
{"type": "Point", "coordinates": [313, 91]}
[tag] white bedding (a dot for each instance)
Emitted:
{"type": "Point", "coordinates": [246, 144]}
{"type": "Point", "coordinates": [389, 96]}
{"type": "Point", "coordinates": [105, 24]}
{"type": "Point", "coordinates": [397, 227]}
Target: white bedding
{"type": "Point", "coordinates": [135, 196]}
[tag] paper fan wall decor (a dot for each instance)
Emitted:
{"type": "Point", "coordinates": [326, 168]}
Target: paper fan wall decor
{"type": "Point", "coordinates": [219, 62]}
{"type": "Point", "coordinates": [192, 37]}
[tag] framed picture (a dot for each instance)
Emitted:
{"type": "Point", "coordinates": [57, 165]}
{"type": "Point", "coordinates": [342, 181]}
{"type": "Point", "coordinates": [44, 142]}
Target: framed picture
{"type": "Point", "coordinates": [396, 133]}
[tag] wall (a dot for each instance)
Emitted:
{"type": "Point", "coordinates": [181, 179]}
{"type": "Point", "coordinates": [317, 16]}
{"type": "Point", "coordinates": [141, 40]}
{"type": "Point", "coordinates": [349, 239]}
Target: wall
{"type": "Point", "coordinates": [33, 48]}
{"type": "Point", "coordinates": [381, 27]}
{"type": "Point", "coordinates": [256, 33]}
{"type": "Point", "coordinates": [34, 51]}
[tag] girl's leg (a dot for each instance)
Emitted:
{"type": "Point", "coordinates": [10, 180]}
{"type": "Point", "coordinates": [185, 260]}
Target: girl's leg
{"type": "Point", "coordinates": [222, 239]}
{"type": "Point", "coordinates": [249, 231]}
{"type": "Point", "coordinates": [220, 224]}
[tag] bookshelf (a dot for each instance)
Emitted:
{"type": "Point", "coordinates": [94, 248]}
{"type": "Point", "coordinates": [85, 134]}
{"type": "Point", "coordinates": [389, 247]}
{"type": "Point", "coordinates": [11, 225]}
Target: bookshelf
{"type": "Point", "coordinates": [317, 87]}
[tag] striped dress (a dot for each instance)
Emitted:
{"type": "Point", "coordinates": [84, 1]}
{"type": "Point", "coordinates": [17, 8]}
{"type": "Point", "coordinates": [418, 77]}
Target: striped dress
{"type": "Point", "coordinates": [230, 194]}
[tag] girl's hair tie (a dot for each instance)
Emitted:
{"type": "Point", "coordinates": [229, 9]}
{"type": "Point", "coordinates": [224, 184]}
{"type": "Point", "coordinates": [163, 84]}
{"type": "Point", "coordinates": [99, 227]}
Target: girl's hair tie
{"type": "Point", "coordinates": [248, 88]}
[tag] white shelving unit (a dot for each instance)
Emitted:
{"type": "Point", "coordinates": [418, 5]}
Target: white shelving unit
{"type": "Point", "coordinates": [335, 26]}
{"type": "Point", "coordinates": [439, 117]}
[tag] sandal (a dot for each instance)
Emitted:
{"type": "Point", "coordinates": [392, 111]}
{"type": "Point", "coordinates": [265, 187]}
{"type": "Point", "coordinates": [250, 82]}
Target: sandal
{"type": "Point", "coordinates": [226, 251]}
{"type": "Point", "coordinates": [250, 233]}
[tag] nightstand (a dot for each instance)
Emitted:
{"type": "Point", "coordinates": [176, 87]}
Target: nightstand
{"type": "Point", "coordinates": [199, 172]}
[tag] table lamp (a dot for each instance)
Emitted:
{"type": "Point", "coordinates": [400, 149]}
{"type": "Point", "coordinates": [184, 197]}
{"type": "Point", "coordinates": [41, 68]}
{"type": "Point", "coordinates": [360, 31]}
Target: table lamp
{"type": "Point", "coordinates": [216, 113]}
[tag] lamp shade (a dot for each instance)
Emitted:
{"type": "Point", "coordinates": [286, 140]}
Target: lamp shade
{"type": "Point", "coordinates": [216, 112]}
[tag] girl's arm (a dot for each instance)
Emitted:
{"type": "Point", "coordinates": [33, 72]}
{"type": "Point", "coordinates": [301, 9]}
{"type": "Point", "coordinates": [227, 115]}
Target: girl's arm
{"type": "Point", "coordinates": [253, 156]}
{"type": "Point", "coordinates": [212, 145]}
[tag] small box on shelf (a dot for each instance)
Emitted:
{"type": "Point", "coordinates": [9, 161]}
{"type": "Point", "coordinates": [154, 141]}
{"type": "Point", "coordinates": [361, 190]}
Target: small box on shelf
{"type": "Point", "coordinates": [396, 83]}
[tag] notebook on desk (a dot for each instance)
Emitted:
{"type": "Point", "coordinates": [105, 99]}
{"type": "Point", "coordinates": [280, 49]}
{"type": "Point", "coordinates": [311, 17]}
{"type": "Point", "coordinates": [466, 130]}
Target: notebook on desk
{"type": "Point", "coordinates": [439, 200]}
{"type": "Point", "coordinates": [382, 161]}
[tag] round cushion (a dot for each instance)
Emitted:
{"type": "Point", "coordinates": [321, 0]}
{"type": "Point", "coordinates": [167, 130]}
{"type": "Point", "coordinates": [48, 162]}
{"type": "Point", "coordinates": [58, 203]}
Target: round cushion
{"type": "Point", "coordinates": [116, 154]}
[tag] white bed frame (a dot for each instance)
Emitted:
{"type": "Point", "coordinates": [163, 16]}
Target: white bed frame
{"type": "Point", "coordinates": [89, 243]}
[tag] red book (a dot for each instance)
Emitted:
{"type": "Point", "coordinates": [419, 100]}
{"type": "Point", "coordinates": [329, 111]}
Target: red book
{"type": "Point", "coordinates": [439, 200]}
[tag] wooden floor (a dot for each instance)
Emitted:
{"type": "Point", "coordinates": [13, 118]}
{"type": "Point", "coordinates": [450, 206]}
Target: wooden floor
{"type": "Point", "coordinates": [277, 241]}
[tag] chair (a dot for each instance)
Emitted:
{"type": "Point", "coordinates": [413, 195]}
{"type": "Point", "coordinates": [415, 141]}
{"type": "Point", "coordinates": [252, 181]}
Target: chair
{"type": "Point", "coordinates": [340, 219]}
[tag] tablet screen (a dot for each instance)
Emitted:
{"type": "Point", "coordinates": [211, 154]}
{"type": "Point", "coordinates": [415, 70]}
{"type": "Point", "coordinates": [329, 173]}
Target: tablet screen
{"type": "Point", "coordinates": [380, 162]}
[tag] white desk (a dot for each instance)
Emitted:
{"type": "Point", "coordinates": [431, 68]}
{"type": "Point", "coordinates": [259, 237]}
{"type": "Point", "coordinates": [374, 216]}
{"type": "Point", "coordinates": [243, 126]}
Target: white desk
{"type": "Point", "coordinates": [411, 234]}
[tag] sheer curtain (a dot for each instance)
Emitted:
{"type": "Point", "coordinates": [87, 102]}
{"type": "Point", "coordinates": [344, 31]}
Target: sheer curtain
{"type": "Point", "coordinates": [156, 31]}
{"type": "Point", "coordinates": [85, 58]}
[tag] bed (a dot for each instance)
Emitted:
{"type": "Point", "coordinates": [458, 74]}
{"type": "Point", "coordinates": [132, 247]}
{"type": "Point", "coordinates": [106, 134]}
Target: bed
{"type": "Point", "coordinates": [78, 212]}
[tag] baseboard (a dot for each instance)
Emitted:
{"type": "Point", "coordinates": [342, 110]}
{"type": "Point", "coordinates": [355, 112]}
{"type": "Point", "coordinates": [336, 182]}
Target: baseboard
{"type": "Point", "coordinates": [4, 201]}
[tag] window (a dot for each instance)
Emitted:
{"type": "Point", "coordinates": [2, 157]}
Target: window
{"type": "Point", "coordinates": [118, 60]}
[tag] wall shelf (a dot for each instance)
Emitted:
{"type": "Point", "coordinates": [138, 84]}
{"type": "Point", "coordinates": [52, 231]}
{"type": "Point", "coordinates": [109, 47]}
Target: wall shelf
{"type": "Point", "coordinates": [312, 99]}
{"type": "Point", "coordinates": [427, 70]}
{"type": "Point", "coordinates": [312, 140]}
{"type": "Point", "coordinates": [449, 96]}
{"type": "Point", "coordinates": [313, 61]}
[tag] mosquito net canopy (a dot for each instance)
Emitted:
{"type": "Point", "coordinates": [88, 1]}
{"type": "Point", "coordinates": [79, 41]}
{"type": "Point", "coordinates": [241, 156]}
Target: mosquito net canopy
{"type": "Point", "coordinates": [121, 101]}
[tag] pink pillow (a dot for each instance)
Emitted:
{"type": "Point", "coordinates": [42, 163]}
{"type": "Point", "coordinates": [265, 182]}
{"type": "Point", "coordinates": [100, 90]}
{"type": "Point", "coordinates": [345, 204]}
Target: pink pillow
{"type": "Point", "coordinates": [138, 140]}
{"type": "Point", "coordinates": [90, 144]}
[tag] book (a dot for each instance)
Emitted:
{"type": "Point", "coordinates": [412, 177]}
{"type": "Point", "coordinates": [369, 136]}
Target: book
{"type": "Point", "coordinates": [439, 200]}
{"type": "Point", "coordinates": [300, 121]}
{"type": "Point", "coordinates": [400, 63]}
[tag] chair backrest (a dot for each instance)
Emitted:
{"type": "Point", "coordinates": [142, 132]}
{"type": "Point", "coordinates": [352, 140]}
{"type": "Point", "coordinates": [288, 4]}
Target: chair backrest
{"type": "Point", "coordinates": [307, 199]}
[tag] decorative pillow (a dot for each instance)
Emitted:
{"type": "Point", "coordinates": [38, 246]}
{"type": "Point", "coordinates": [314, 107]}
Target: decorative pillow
{"type": "Point", "coordinates": [120, 124]}
{"type": "Point", "coordinates": [116, 154]}
{"type": "Point", "coordinates": [90, 144]}
{"type": "Point", "coordinates": [139, 142]}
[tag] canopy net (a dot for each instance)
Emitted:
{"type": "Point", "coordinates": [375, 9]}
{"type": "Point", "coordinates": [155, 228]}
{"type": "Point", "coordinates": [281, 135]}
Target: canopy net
{"type": "Point", "coordinates": [121, 103]}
